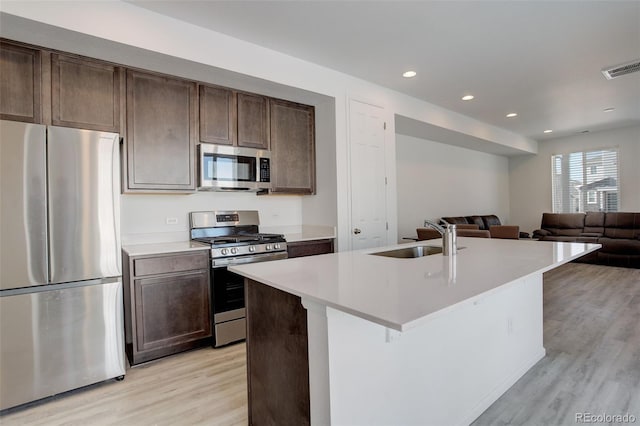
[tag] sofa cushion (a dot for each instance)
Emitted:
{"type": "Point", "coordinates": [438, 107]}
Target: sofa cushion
{"type": "Point", "coordinates": [622, 225]}
{"type": "Point", "coordinates": [490, 220]}
{"type": "Point", "coordinates": [455, 220]}
{"type": "Point", "coordinates": [477, 220]}
{"type": "Point", "coordinates": [594, 222]}
{"type": "Point", "coordinates": [563, 224]}
{"type": "Point", "coordinates": [587, 239]}
{"type": "Point", "coordinates": [591, 234]}
{"type": "Point", "coordinates": [538, 233]}
{"type": "Point", "coordinates": [561, 238]}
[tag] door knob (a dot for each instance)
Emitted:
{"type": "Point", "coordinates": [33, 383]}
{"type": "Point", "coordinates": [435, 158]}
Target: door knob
{"type": "Point", "coordinates": [356, 231]}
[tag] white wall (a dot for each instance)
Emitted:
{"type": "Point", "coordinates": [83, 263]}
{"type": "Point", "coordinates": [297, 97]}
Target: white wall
{"type": "Point", "coordinates": [530, 175]}
{"type": "Point", "coordinates": [435, 180]}
{"type": "Point", "coordinates": [322, 208]}
{"type": "Point", "coordinates": [143, 216]}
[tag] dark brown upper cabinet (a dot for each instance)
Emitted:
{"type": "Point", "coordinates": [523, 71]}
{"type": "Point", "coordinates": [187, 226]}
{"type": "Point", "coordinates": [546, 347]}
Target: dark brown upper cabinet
{"type": "Point", "coordinates": [85, 93]}
{"type": "Point", "coordinates": [233, 118]}
{"type": "Point", "coordinates": [293, 160]}
{"type": "Point", "coordinates": [161, 133]}
{"type": "Point", "coordinates": [253, 121]}
{"type": "Point", "coordinates": [20, 83]}
{"type": "Point", "coordinates": [217, 115]}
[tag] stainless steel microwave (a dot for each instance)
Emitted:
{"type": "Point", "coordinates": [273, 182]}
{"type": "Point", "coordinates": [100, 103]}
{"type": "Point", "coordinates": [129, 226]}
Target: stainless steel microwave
{"type": "Point", "coordinates": [229, 168]}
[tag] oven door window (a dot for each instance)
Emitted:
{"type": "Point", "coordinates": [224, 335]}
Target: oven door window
{"type": "Point", "coordinates": [229, 168]}
{"type": "Point", "coordinates": [228, 290]}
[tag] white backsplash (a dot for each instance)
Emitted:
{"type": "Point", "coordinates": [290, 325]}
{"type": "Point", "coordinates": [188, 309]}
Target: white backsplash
{"type": "Point", "coordinates": [150, 218]}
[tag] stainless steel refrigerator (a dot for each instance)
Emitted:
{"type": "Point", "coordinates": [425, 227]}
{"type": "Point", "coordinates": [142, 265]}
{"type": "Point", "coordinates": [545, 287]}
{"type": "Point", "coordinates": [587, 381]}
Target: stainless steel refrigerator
{"type": "Point", "coordinates": [61, 313]}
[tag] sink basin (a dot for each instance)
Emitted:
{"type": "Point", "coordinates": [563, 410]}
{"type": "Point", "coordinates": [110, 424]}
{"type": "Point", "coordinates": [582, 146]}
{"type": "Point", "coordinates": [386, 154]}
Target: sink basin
{"type": "Point", "coordinates": [410, 252]}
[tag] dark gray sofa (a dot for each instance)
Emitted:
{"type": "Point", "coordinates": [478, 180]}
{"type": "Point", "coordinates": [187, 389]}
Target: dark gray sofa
{"type": "Point", "coordinates": [618, 232]}
{"type": "Point", "coordinates": [484, 222]}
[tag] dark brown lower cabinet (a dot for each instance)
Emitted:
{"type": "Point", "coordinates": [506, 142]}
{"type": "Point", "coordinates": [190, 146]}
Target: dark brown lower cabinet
{"type": "Point", "coordinates": [277, 357]}
{"type": "Point", "coordinates": [309, 248]}
{"type": "Point", "coordinates": [167, 308]}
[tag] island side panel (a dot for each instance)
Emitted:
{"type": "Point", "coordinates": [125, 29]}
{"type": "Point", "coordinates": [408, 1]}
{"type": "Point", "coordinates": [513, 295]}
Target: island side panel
{"type": "Point", "coordinates": [277, 357]}
{"type": "Point", "coordinates": [445, 371]}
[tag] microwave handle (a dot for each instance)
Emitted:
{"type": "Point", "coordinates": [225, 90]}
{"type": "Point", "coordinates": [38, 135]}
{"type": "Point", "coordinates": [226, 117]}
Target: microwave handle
{"type": "Point", "coordinates": [227, 188]}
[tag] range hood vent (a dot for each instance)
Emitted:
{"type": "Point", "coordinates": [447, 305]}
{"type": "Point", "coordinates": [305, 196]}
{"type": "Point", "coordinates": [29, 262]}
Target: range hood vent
{"type": "Point", "coordinates": [618, 70]}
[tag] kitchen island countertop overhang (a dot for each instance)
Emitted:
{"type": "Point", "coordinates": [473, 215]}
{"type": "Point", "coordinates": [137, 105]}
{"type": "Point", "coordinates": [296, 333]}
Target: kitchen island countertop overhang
{"type": "Point", "coordinates": [403, 293]}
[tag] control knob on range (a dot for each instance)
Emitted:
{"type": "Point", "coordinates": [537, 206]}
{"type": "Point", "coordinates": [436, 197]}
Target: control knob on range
{"type": "Point", "coordinates": [276, 246]}
{"type": "Point", "coordinates": [224, 252]}
{"type": "Point", "coordinates": [268, 247]}
{"type": "Point", "coordinates": [234, 250]}
{"type": "Point", "coordinates": [252, 249]}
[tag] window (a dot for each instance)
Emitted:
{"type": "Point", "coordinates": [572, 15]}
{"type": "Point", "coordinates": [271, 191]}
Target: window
{"type": "Point", "coordinates": [585, 181]}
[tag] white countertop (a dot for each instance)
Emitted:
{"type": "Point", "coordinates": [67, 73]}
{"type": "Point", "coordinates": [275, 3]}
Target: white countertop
{"type": "Point", "coordinates": [163, 248]}
{"type": "Point", "coordinates": [302, 232]}
{"type": "Point", "coordinates": [402, 293]}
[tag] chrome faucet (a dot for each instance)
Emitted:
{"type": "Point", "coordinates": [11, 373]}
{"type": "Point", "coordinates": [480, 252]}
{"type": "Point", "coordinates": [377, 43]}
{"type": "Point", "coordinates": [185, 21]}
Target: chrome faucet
{"type": "Point", "coordinates": [449, 237]}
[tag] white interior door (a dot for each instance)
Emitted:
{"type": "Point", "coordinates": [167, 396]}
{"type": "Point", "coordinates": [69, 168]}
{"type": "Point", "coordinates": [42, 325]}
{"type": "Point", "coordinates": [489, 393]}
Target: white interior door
{"type": "Point", "coordinates": [368, 184]}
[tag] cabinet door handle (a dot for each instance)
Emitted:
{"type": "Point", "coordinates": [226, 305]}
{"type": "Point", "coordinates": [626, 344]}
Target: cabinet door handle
{"type": "Point", "coordinates": [356, 231]}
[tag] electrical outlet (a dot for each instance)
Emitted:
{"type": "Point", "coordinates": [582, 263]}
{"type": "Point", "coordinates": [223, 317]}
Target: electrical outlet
{"type": "Point", "coordinates": [172, 221]}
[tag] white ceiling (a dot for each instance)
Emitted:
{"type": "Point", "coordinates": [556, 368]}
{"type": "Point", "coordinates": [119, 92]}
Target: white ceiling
{"type": "Point", "coordinates": [541, 59]}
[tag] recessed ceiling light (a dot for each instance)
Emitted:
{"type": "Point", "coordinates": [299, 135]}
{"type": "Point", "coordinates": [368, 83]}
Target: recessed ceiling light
{"type": "Point", "coordinates": [511, 115]}
{"type": "Point", "coordinates": [467, 97]}
{"type": "Point", "coordinates": [409, 74]}
{"type": "Point", "coordinates": [548, 131]}
{"type": "Point", "coordinates": [609, 109]}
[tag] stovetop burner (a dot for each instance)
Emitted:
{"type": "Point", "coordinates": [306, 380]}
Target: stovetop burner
{"type": "Point", "coordinates": [243, 238]}
{"type": "Point", "coordinates": [234, 236]}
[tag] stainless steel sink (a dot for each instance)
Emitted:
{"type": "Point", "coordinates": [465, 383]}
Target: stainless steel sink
{"type": "Point", "coordinates": [410, 252]}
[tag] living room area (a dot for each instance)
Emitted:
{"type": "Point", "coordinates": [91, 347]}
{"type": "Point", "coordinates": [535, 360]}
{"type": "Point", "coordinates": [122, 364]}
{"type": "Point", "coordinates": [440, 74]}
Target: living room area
{"type": "Point", "coordinates": [437, 180]}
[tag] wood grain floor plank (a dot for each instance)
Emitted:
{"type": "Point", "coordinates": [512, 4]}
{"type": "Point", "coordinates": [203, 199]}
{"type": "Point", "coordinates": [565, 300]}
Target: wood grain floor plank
{"type": "Point", "coordinates": [591, 334]}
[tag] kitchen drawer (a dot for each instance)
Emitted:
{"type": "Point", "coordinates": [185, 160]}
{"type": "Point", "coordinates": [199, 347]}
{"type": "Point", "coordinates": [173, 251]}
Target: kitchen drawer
{"type": "Point", "coordinates": [170, 263]}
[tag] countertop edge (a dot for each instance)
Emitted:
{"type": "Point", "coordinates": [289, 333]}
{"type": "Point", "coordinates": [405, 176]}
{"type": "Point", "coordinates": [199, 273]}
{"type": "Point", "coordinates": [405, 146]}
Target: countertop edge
{"type": "Point", "coordinates": [163, 248]}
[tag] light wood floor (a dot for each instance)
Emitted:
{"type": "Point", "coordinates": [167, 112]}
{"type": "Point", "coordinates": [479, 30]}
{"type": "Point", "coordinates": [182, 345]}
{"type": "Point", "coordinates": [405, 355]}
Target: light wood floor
{"type": "Point", "coordinates": [200, 387]}
{"type": "Point", "coordinates": [591, 333]}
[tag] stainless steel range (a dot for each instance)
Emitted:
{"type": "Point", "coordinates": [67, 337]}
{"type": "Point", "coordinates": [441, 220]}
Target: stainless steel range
{"type": "Point", "coordinates": [234, 240]}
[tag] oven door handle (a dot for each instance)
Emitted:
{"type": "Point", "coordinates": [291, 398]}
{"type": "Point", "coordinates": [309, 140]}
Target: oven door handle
{"type": "Point", "coordinates": [230, 261]}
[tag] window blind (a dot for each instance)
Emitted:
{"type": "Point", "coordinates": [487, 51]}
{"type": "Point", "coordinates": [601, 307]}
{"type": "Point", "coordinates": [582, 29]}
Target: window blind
{"type": "Point", "coordinates": [585, 181]}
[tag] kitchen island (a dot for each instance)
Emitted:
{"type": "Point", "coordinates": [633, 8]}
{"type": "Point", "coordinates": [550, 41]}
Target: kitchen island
{"type": "Point", "coordinates": [353, 338]}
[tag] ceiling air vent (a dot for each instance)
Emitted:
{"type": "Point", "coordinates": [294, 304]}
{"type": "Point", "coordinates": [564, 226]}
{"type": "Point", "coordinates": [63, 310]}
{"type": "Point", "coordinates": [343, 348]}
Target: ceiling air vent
{"type": "Point", "coordinates": [616, 71]}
